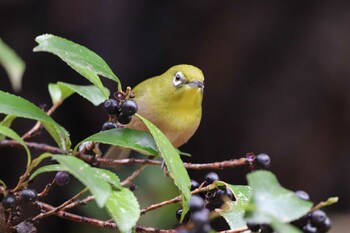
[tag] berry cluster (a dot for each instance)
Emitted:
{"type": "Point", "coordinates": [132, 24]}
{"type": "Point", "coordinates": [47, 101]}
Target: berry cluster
{"type": "Point", "coordinates": [316, 221]}
{"type": "Point", "coordinates": [119, 110]}
{"type": "Point", "coordinates": [260, 161]}
{"type": "Point", "coordinates": [197, 219]}
{"type": "Point", "coordinates": [12, 201]}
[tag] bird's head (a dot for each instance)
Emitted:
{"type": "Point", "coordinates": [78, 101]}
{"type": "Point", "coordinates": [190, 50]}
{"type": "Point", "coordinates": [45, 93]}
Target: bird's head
{"type": "Point", "coordinates": [183, 86]}
{"type": "Point", "coordinates": [185, 78]}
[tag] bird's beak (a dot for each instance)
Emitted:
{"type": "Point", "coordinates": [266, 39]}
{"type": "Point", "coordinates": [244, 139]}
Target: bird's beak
{"type": "Point", "coordinates": [196, 84]}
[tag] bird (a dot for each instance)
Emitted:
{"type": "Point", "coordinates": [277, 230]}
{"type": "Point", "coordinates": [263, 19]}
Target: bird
{"type": "Point", "coordinates": [172, 101]}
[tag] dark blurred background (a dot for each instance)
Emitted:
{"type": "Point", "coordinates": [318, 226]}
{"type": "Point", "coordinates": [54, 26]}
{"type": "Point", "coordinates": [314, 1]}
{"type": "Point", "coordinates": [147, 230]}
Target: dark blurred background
{"type": "Point", "coordinates": [277, 78]}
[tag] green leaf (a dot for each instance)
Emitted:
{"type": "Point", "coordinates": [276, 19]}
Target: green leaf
{"type": "Point", "coordinates": [97, 185]}
{"type": "Point", "coordinates": [271, 201]}
{"type": "Point", "coordinates": [13, 64]}
{"type": "Point", "coordinates": [279, 226]}
{"type": "Point", "coordinates": [100, 173]}
{"type": "Point", "coordinates": [137, 140]}
{"type": "Point", "coordinates": [47, 168]}
{"type": "Point", "coordinates": [58, 94]}
{"type": "Point", "coordinates": [61, 91]}
{"type": "Point", "coordinates": [7, 121]}
{"type": "Point", "coordinates": [108, 176]}
{"type": "Point", "coordinates": [81, 59]}
{"type": "Point", "coordinates": [15, 105]}
{"type": "Point", "coordinates": [2, 183]}
{"type": "Point", "coordinates": [329, 201]}
{"type": "Point", "coordinates": [123, 207]}
{"type": "Point", "coordinates": [12, 134]}
{"type": "Point", "coordinates": [172, 160]}
{"type": "Point", "coordinates": [41, 157]}
{"type": "Point", "coordinates": [234, 211]}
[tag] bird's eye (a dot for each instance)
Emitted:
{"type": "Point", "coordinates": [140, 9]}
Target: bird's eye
{"type": "Point", "coordinates": [178, 79]}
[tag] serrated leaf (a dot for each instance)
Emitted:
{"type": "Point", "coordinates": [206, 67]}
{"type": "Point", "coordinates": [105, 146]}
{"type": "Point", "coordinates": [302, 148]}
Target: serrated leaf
{"type": "Point", "coordinates": [15, 105]}
{"type": "Point", "coordinates": [41, 157]}
{"type": "Point", "coordinates": [2, 183]}
{"type": "Point", "coordinates": [233, 212]}
{"type": "Point", "coordinates": [80, 58]}
{"type": "Point", "coordinates": [271, 201]}
{"type": "Point", "coordinates": [108, 176]}
{"type": "Point", "coordinates": [89, 92]}
{"type": "Point", "coordinates": [140, 141]}
{"type": "Point", "coordinates": [61, 91]}
{"type": "Point", "coordinates": [123, 207]}
{"type": "Point", "coordinates": [279, 226]}
{"type": "Point", "coordinates": [97, 185]}
{"type": "Point", "coordinates": [12, 134]}
{"type": "Point", "coordinates": [172, 160]}
{"type": "Point", "coordinates": [47, 168]}
{"type": "Point", "coordinates": [7, 121]}
{"type": "Point", "coordinates": [58, 94]}
{"type": "Point", "coordinates": [13, 64]}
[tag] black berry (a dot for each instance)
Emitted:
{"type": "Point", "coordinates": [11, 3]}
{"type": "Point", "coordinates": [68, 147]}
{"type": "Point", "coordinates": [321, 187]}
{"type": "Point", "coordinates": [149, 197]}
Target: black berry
{"type": "Point", "coordinates": [54, 161]}
{"type": "Point", "coordinates": [129, 107]}
{"type": "Point", "coordinates": [309, 228]}
{"type": "Point", "coordinates": [196, 203]}
{"type": "Point", "coordinates": [179, 213]}
{"type": "Point", "coordinates": [124, 119]}
{"type": "Point", "coordinates": [132, 187]}
{"type": "Point", "coordinates": [302, 195]}
{"type": "Point", "coordinates": [10, 202]}
{"type": "Point", "coordinates": [318, 217]}
{"type": "Point", "coordinates": [325, 227]}
{"type": "Point", "coordinates": [108, 125]}
{"type": "Point", "coordinates": [228, 194]}
{"type": "Point", "coordinates": [262, 161]}
{"type": "Point", "coordinates": [264, 228]}
{"type": "Point", "coordinates": [253, 226]}
{"type": "Point", "coordinates": [300, 222]}
{"type": "Point", "coordinates": [62, 178]}
{"type": "Point", "coordinates": [194, 185]}
{"type": "Point", "coordinates": [205, 228]}
{"type": "Point", "coordinates": [211, 177]}
{"type": "Point", "coordinates": [218, 196]}
{"type": "Point", "coordinates": [111, 106]}
{"type": "Point", "coordinates": [28, 195]}
{"type": "Point", "coordinates": [200, 217]}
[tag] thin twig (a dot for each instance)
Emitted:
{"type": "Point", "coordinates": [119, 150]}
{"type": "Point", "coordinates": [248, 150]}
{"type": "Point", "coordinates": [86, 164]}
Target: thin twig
{"type": "Point", "coordinates": [177, 199]}
{"type": "Point", "coordinates": [79, 202]}
{"type": "Point", "coordinates": [113, 162]}
{"type": "Point", "coordinates": [46, 189]}
{"type": "Point", "coordinates": [201, 166]}
{"type": "Point", "coordinates": [38, 124]}
{"type": "Point", "coordinates": [237, 230]}
{"type": "Point", "coordinates": [31, 145]}
{"type": "Point", "coordinates": [74, 217]}
{"type": "Point", "coordinates": [56, 209]}
{"type": "Point", "coordinates": [97, 222]}
{"type": "Point", "coordinates": [133, 175]}
{"type": "Point", "coordinates": [158, 205]}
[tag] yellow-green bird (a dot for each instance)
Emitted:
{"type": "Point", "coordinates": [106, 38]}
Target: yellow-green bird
{"type": "Point", "coordinates": [172, 101]}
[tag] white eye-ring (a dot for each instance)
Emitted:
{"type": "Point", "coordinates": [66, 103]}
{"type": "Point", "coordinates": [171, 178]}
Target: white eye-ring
{"type": "Point", "coordinates": [178, 79]}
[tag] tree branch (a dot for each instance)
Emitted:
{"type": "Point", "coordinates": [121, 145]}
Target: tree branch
{"type": "Point", "coordinates": [118, 162]}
